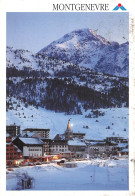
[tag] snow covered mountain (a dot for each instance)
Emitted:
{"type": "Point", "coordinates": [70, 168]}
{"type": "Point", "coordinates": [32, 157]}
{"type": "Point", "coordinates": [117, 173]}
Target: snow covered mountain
{"type": "Point", "coordinates": [69, 74]}
{"type": "Point", "coordinates": [66, 80]}
{"type": "Point", "coordinates": [84, 47]}
{"type": "Point", "coordinates": [24, 60]}
{"type": "Point", "coordinates": [61, 86]}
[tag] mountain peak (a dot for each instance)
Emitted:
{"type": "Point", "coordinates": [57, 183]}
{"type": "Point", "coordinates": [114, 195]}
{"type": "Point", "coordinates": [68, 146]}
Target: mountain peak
{"type": "Point", "coordinates": [76, 40]}
{"type": "Point", "coordinates": [86, 48]}
{"type": "Point", "coordinates": [88, 34]}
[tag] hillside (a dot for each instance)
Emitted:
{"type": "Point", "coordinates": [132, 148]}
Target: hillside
{"type": "Point", "coordinates": [111, 122]}
{"type": "Point", "coordinates": [61, 86]}
{"type": "Point", "coordinates": [80, 76]}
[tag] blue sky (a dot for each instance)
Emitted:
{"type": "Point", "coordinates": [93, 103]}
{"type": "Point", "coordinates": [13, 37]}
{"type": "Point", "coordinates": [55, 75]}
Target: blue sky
{"type": "Point", "coordinates": [35, 30]}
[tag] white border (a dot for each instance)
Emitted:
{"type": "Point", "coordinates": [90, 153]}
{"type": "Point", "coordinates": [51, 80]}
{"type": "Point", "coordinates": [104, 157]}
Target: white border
{"type": "Point", "coordinates": [46, 6]}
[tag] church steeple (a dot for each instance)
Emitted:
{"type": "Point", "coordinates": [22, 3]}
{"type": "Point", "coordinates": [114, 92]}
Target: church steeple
{"type": "Point", "coordinates": [68, 126]}
{"type": "Point", "coordinates": [68, 132]}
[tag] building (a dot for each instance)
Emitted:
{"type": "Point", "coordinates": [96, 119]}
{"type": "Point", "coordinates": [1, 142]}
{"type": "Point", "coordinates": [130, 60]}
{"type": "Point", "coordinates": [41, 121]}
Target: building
{"type": "Point", "coordinates": [59, 137]}
{"type": "Point", "coordinates": [69, 134]}
{"type": "Point", "coordinates": [8, 138]}
{"type": "Point", "coordinates": [31, 134]}
{"type": "Point", "coordinates": [46, 146]}
{"type": "Point", "coordinates": [124, 152]}
{"type": "Point", "coordinates": [117, 139]}
{"type": "Point", "coordinates": [99, 148]}
{"type": "Point", "coordinates": [121, 146]}
{"type": "Point", "coordinates": [31, 147]}
{"type": "Point", "coordinates": [77, 147]}
{"type": "Point", "coordinates": [58, 146]}
{"type": "Point", "coordinates": [44, 133]}
{"type": "Point", "coordinates": [122, 149]}
{"type": "Point", "coordinates": [13, 130]}
{"type": "Point", "coordinates": [13, 153]}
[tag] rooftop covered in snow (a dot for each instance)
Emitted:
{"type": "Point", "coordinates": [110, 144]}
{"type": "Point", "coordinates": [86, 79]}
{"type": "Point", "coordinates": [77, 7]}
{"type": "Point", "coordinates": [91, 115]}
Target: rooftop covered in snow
{"type": "Point", "coordinates": [35, 129]}
{"type": "Point", "coordinates": [36, 141]}
{"type": "Point", "coordinates": [122, 145]}
{"type": "Point", "coordinates": [76, 143]}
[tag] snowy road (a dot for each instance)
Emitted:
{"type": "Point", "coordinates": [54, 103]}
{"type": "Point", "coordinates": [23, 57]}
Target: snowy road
{"type": "Point", "coordinates": [88, 175]}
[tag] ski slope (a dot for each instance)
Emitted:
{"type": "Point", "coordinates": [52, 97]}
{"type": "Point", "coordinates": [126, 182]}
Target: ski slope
{"type": "Point", "coordinates": [116, 118]}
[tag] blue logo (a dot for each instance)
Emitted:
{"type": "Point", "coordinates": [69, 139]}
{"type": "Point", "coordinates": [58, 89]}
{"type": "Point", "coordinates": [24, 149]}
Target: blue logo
{"type": "Point", "coordinates": [119, 6]}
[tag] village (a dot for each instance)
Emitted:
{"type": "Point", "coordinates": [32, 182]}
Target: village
{"type": "Point", "coordinates": [34, 147]}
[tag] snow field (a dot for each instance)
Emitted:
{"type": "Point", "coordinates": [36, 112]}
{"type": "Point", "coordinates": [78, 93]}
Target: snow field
{"type": "Point", "coordinates": [86, 176]}
{"type": "Point", "coordinates": [116, 118]}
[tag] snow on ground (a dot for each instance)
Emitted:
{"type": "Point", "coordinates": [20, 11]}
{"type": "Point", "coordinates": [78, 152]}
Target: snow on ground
{"type": "Point", "coordinates": [88, 175]}
{"type": "Point", "coordinates": [116, 118]}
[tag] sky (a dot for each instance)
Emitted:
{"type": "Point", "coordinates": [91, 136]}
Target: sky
{"type": "Point", "coordinates": [35, 30]}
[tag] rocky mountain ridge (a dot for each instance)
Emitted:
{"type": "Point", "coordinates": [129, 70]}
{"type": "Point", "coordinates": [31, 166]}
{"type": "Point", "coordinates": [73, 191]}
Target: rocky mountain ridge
{"type": "Point", "coordinates": [86, 48]}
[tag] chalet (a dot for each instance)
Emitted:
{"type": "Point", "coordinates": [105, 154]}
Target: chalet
{"type": "Point", "coordinates": [45, 133]}
{"type": "Point", "coordinates": [13, 130]}
{"type": "Point", "coordinates": [13, 153]}
{"type": "Point", "coordinates": [31, 147]}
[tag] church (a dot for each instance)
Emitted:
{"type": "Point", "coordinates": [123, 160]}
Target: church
{"type": "Point", "coordinates": [70, 135]}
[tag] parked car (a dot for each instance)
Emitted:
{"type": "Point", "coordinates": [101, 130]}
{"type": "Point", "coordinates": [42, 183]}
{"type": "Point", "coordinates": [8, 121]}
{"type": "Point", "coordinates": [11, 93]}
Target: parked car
{"type": "Point", "coordinates": [38, 163]}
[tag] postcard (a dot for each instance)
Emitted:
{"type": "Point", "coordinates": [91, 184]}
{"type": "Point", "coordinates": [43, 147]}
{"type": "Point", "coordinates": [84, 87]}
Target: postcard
{"type": "Point", "coordinates": [67, 97]}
